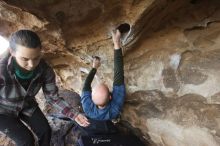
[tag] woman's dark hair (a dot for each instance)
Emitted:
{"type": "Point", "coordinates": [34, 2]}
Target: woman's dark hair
{"type": "Point", "coordinates": [26, 38]}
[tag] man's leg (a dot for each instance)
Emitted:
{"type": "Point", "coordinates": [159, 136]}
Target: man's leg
{"type": "Point", "coordinates": [40, 126]}
{"type": "Point", "coordinates": [16, 130]}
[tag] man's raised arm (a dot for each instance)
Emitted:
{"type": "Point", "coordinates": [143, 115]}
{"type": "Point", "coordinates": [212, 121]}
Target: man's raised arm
{"type": "Point", "coordinates": [118, 59]}
{"type": "Point", "coordinates": [90, 77]}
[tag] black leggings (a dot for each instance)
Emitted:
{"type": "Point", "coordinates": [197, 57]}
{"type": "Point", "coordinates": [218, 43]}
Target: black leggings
{"type": "Point", "coordinates": [17, 131]}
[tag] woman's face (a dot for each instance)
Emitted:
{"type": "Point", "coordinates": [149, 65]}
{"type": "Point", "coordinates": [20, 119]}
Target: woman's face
{"type": "Point", "coordinates": [27, 58]}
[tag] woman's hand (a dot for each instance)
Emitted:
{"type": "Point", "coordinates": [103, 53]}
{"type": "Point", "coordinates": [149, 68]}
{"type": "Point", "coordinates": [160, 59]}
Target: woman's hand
{"type": "Point", "coordinates": [82, 120]}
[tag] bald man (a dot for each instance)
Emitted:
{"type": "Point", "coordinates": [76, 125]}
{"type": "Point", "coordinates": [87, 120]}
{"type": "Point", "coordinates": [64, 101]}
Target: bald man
{"type": "Point", "coordinates": [98, 103]}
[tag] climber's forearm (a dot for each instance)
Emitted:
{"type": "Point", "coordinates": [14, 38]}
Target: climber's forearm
{"type": "Point", "coordinates": [88, 81]}
{"type": "Point", "coordinates": [118, 67]}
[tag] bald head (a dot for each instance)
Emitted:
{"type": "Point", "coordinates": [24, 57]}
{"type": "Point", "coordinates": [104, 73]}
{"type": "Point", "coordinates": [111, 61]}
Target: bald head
{"type": "Point", "coordinates": [100, 94]}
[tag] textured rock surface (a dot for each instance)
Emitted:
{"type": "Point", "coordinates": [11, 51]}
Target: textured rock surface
{"type": "Point", "coordinates": [171, 54]}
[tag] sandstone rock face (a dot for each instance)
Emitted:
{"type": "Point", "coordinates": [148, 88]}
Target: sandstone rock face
{"type": "Point", "coordinates": [171, 55]}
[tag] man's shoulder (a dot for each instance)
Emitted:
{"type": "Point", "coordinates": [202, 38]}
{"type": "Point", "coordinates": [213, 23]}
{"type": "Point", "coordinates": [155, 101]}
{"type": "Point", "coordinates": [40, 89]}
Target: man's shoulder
{"type": "Point", "coordinates": [86, 93]}
{"type": "Point", "coordinates": [122, 86]}
{"type": "Point", "coordinates": [119, 90]}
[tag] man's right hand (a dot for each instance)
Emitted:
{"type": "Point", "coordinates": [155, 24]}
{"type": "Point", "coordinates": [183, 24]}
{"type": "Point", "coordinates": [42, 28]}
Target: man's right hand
{"type": "Point", "coordinates": [96, 62]}
{"type": "Point", "coordinates": [116, 38]}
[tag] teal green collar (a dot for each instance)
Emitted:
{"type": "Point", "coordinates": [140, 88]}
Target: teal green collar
{"type": "Point", "coordinates": [20, 73]}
